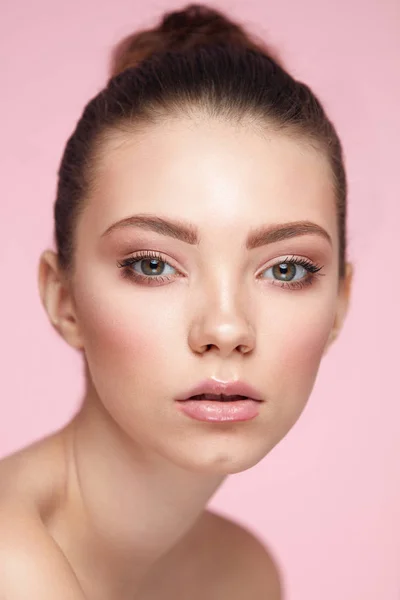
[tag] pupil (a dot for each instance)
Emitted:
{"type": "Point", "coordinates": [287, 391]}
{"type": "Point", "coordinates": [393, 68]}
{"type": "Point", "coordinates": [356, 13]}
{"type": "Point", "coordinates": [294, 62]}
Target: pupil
{"type": "Point", "coordinates": [285, 271]}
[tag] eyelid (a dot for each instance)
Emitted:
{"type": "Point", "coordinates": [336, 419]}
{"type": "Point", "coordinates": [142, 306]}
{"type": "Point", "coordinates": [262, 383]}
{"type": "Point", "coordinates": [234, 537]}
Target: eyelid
{"type": "Point", "coordinates": [147, 253]}
{"type": "Point", "coordinates": [283, 259]}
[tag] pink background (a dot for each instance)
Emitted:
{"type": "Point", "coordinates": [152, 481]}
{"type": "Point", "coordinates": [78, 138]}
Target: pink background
{"type": "Point", "coordinates": [327, 498]}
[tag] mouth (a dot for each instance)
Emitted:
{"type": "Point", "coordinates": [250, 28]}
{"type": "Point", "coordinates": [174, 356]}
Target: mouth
{"type": "Point", "coordinates": [220, 407]}
{"type": "Point", "coordinates": [219, 391]}
{"type": "Point", "coordinates": [220, 397]}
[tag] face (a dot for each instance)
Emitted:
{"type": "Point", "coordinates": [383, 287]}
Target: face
{"type": "Point", "coordinates": [216, 309]}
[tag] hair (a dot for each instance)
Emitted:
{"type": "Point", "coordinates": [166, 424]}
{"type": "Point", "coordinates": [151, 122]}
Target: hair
{"type": "Point", "coordinates": [196, 61]}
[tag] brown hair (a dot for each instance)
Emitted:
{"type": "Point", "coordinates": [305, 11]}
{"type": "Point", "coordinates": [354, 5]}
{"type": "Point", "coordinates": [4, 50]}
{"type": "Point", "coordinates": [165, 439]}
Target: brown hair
{"type": "Point", "coordinates": [195, 59]}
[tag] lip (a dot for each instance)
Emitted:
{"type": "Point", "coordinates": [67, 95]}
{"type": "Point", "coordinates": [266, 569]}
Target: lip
{"type": "Point", "coordinates": [211, 386]}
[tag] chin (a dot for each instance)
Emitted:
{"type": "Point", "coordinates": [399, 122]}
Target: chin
{"type": "Point", "coordinates": [220, 459]}
{"type": "Point", "coordinates": [221, 465]}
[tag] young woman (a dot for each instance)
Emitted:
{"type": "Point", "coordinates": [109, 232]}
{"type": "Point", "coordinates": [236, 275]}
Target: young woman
{"type": "Point", "coordinates": [200, 269]}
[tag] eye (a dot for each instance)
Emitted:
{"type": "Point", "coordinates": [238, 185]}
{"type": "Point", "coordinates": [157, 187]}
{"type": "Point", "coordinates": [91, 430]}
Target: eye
{"type": "Point", "coordinates": [287, 271]}
{"type": "Point", "coordinates": [152, 266]}
{"type": "Point", "coordinates": [292, 272]}
{"type": "Point", "coordinates": [148, 267]}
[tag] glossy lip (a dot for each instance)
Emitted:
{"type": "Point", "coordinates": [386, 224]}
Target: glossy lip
{"type": "Point", "coordinates": [210, 386]}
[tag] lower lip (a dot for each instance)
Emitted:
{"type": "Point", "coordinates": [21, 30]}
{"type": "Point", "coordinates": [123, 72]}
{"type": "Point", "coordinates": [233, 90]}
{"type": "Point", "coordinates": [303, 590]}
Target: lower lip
{"type": "Point", "coordinates": [216, 411]}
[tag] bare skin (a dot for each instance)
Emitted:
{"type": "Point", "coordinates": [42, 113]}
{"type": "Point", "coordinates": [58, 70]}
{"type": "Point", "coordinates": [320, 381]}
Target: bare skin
{"type": "Point", "coordinates": [113, 507]}
{"type": "Point", "coordinates": [216, 559]}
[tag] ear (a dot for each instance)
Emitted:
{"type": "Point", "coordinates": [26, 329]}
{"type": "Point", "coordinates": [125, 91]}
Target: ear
{"type": "Point", "coordinates": [343, 301]}
{"type": "Point", "coordinates": [57, 299]}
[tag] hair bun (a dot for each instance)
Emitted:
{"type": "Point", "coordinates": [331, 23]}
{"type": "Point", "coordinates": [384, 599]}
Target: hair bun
{"type": "Point", "coordinates": [199, 20]}
{"type": "Point", "coordinates": [195, 25]}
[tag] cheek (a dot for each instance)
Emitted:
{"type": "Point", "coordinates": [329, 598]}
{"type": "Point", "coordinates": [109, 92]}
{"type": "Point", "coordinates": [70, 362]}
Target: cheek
{"type": "Point", "coordinates": [124, 331]}
{"type": "Point", "coordinates": [299, 338]}
{"type": "Point", "coordinates": [304, 348]}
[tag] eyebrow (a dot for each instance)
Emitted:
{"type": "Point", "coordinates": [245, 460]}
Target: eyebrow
{"type": "Point", "coordinates": [188, 233]}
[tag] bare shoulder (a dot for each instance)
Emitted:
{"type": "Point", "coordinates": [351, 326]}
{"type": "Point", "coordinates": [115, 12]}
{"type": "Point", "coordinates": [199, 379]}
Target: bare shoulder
{"type": "Point", "coordinates": [31, 564]}
{"type": "Point", "coordinates": [244, 567]}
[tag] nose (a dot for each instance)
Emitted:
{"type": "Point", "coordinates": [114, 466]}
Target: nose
{"type": "Point", "coordinates": [221, 326]}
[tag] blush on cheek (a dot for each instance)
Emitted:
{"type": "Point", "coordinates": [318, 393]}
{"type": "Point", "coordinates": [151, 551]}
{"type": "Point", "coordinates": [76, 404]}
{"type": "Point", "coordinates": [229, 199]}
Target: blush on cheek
{"type": "Point", "coordinates": [108, 330]}
{"type": "Point", "coordinates": [302, 357]}
{"type": "Point", "coordinates": [297, 343]}
{"type": "Point", "coordinates": [311, 341]}
{"type": "Point", "coordinates": [125, 332]}
{"type": "Point", "coordinates": [112, 338]}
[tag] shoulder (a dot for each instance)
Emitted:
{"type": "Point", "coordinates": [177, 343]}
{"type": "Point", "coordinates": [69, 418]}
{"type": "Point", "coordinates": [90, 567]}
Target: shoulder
{"type": "Point", "coordinates": [31, 564]}
{"type": "Point", "coordinates": [244, 566]}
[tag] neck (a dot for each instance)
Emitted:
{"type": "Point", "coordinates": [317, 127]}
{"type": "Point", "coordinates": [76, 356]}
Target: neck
{"type": "Point", "coordinates": [127, 506]}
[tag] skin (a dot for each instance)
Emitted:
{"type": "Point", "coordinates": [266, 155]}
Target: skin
{"type": "Point", "coordinates": [115, 502]}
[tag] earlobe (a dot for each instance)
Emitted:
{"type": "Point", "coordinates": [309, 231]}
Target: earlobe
{"type": "Point", "coordinates": [56, 297]}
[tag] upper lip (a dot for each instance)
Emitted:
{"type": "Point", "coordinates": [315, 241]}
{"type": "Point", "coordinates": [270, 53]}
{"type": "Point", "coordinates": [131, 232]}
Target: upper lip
{"type": "Point", "coordinates": [229, 388]}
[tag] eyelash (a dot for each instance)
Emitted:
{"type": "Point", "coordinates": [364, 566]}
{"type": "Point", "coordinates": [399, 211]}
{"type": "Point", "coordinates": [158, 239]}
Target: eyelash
{"type": "Point", "coordinates": [127, 271]}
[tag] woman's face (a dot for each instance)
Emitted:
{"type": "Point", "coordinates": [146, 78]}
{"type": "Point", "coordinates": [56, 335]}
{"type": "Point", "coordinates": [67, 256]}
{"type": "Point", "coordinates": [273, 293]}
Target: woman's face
{"type": "Point", "coordinates": [153, 330]}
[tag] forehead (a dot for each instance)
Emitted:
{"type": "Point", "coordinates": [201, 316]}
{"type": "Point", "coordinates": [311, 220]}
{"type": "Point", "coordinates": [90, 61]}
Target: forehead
{"type": "Point", "coordinates": [212, 172]}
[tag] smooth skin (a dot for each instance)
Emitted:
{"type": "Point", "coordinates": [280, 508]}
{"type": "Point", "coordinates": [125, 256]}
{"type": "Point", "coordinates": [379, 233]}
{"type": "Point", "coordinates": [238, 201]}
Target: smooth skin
{"type": "Point", "coordinates": [113, 506]}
